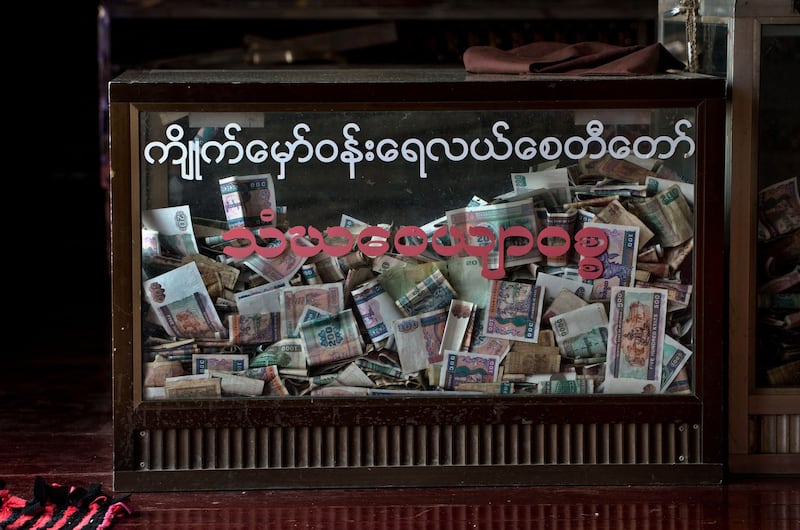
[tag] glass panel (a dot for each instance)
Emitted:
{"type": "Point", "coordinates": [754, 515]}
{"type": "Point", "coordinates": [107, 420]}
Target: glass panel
{"type": "Point", "coordinates": [337, 251]}
{"type": "Point", "coordinates": [778, 333]}
{"type": "Point", "coordinates": [707, 32]}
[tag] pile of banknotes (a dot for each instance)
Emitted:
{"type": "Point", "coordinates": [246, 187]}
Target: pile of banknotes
{"type": "Point", "coordinates": [778, 331]}
{"type": "Point", "coordinates": [578, 280]}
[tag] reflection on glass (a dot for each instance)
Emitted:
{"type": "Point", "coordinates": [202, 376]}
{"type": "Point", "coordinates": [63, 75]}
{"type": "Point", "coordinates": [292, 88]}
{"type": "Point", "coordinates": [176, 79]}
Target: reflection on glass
{"type": "Point", "coordinates": [448, 252]}
{"type": "Point", "coordinates": [707, 33]}
{"type": "Point", "coordinates": [778, 334]}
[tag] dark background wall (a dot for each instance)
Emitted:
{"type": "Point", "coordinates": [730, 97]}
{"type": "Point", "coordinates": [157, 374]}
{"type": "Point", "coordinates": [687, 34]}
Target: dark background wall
{"type": "Point", "coordinates": [55, 84]}
{"type": "Point", "coordinates": [59, 61]}
{"type": "Point", "coordinates": [60, 289]}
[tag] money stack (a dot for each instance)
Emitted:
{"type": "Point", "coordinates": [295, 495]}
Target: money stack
{"type": "Point", "coordinates": [778, 331]}
{"type": "Point", "coordinates": [600, 303]}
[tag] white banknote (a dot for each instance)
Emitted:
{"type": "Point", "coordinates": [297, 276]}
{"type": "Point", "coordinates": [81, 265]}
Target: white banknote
{"type": "Point", "coordinates": [174, 228]}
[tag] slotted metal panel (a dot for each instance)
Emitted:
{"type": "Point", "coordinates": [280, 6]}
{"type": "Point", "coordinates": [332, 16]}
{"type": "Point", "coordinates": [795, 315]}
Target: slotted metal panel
{"type": "Point", "coordinates": [775, 433]}
{"type": "Point", "coordinates": [331, 446]}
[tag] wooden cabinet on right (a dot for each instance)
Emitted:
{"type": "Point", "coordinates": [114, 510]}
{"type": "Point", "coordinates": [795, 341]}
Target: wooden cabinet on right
{"type": "Point", "coordinates": [764, 274]}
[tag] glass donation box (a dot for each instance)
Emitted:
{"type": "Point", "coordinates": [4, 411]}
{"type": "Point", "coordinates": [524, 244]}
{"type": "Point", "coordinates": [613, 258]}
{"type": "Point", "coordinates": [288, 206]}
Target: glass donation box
{"type": "Point", "coordinates": [416, 277]}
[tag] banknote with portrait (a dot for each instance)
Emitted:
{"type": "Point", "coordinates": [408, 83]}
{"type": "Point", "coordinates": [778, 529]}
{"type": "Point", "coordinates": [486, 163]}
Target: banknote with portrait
{"type": "Point", "coordinates": [514, 311]}
{"type": "Point", "coordinates": [636, 329]}
{"type": "Point", "coordinates": [618, 259]}
{"type": "Point", "coordinates": [487, 345]}
{"type": "Point", "coordinates": [465, 367]}
{"type": "Point", "coordinates": [182, 305]}
{"type": "Point", "coordinates": [254, 329]}
{"type": "Point", "coordinates": [377, 310]}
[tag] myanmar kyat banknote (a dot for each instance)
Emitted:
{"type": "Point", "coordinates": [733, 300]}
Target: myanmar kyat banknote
{"type": "Point", "coordinates": [182, 304]}
{"type": "Point", "coordinates": [668, 214]}
{"type": "Point", "coordinates": [459, 326]}
{"type": "Point", "coordinates": [377, 310]}
{"type": "Point", "coordinates": [419, 338]}
{"type": "Point", "coordinates": [281, 267]}
{"type": "Point", "coordinates": [676, 356]}
{"type": "Point", "coordinates": [289, 355]}
{"type": "Point", "coordinates": [487, 345]}
{"type": "Point", "coordinates": [636, 325]}
{"type": "Point", "coordinates": [514, 311]}
{"type": "Point", "coordinates": [464, 367]}
{"type": "Point", "coordinates": [294, 299]}
{"type": "Point", "coordinates": [491, 219]}
{"type": "Point", "coordinates": [778, 209]}
{"type": "Point", "coordinates": [618, 260]}
{"type": "Point", "coordinates": [244, 197]}
{"type": "Point", "coordinates": [254, 329]}
{"type": "Point", "coordinates": [225, 362]}
{"type": "Point", "coordinates": [578, 321]}
{"type": "Point", "coordinates": [332, 338]}
{"type": "Point", "coordinates": [174, 229]}
{"type": "Point", "coordinates": [432, 293]}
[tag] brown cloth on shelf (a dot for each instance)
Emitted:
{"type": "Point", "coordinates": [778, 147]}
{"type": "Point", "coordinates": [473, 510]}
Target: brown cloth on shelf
{"type": "Point", "coordinates": [583, 58]}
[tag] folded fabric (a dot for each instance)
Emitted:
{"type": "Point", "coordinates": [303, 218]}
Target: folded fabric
{"type": "Point", "coordinates": [583, 58]}
{"type": "Point", "coordinates": [54, 506]}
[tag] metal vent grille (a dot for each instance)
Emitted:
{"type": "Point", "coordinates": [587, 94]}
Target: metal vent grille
{"type": "Point", "coordinates": [417, 445]}
{"type": "Point", "coordinates": [775, 433]}
{"type": "Point", "coordinates": [571, 515]}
